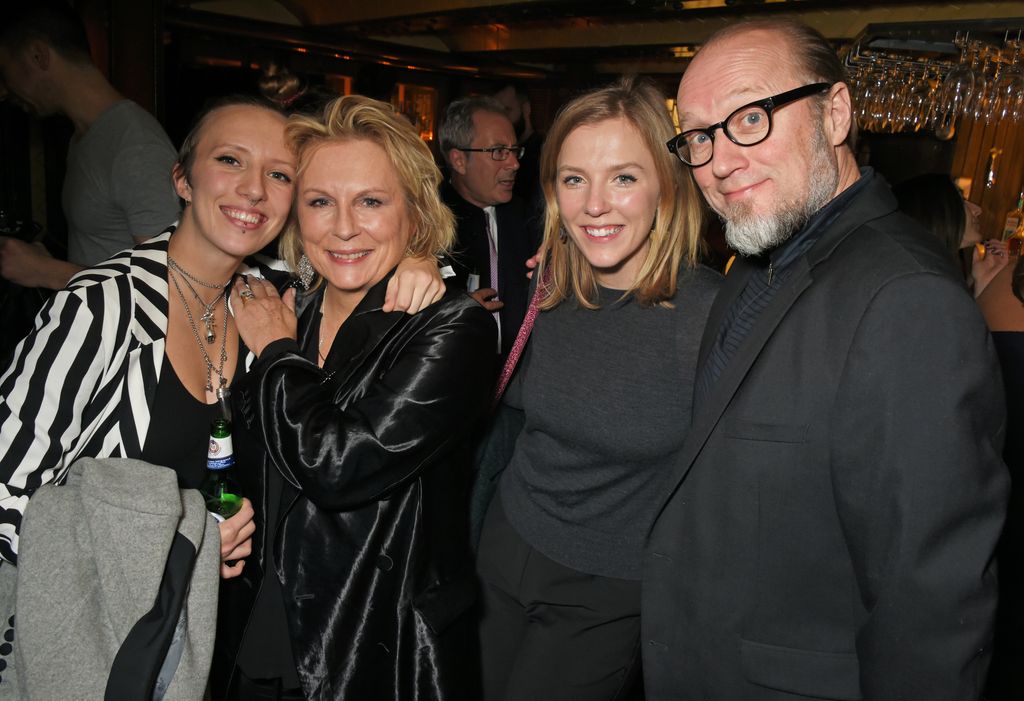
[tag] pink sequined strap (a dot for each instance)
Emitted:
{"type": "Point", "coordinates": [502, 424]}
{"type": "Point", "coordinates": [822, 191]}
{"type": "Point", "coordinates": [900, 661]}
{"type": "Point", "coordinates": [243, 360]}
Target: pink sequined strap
{"type": "Point", "coordinates": [520, 343]}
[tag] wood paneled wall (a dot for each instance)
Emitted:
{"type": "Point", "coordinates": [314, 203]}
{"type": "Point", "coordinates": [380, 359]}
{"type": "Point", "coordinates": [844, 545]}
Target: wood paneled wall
{"type": "Point", "coordinates": [974, 141]}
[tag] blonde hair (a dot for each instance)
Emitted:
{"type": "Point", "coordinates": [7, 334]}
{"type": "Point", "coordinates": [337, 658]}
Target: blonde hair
{"type": "Point", "coordinates": [675, 238]}
{"type": "Point", "coordinates": [356, 117]}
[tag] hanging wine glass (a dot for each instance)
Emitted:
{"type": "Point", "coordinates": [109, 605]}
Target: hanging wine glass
{"type": "Point", "coordinates": [1017, 104]}
{"type": "Point", "coordinates": [874, 85]}
{"type": "Point", "coordinates": [934, 81]}
{"type": "Point", "coordinates": [983, 64]}
{"type": "Point", "coordinates": [915, 101]}
{"type": "Point", "coordinates": [887, 101]}
{"type": "Point", "coordinates": [955, 94]}
{"type": "Point", "coordinates": [856, 75]}
{"type": "Point", "coordinates": [1008, 87]}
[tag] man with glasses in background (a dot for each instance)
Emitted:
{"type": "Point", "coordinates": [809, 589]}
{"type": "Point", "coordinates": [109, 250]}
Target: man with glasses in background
{"type": "Point", "coordinates": [493, 240]}
{"type": "Point", "coordinates": [828, 532]}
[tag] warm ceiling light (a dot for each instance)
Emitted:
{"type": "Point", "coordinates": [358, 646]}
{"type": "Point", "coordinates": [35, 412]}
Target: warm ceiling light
{"type": "Point", "coordinates": [700, 4]}
{"type": "Point", "coordinates": [218, 62]}
{"type": "Point", "coordinates": [716, 4]}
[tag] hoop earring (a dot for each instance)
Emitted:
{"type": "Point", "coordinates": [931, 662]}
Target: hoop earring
{"type": "Point", "coordinates": [563, 235]}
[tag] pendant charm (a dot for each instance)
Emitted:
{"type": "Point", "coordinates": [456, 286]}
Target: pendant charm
{"type": "Point", "coordinates": [209, 386]}
{"type": "Point", "coordinates": [207, 319]}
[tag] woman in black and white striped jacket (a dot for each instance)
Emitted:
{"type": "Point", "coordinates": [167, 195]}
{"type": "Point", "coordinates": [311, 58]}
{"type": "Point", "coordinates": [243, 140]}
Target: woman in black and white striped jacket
{"type": "Point", "coordinates": [128, 344]}
{"type": "Point", "coordinates": [128, 359]}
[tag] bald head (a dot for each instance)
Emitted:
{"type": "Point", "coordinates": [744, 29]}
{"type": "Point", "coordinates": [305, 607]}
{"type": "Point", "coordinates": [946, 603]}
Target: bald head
{"type": "Point", "coordinates": [802, 49]}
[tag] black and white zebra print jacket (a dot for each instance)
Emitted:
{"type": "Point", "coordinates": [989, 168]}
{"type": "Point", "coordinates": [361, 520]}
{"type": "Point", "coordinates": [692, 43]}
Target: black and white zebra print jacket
{"type": "Point", "coordinates": [82, 383]}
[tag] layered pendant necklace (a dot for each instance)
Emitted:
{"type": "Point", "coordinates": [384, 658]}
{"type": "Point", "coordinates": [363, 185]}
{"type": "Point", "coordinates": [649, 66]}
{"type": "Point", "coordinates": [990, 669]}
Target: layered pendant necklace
{"type": "Point", "coordinates": [207, 316]}
{"type": "Point", "coordinates": [208, 321]}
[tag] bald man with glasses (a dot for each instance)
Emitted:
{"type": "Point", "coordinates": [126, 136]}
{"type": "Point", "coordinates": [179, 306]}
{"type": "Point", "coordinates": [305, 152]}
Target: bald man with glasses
{"type": "Point", "coordinates": [828, 532]}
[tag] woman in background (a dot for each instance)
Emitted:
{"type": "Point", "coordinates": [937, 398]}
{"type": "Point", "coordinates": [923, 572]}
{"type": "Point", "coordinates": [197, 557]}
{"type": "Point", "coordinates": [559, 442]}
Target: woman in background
{"type": "Point", "coordinates": [606, 387]}
{"type": "Point", "coordinates": [351, 419]}
{"type": "Point", "coordinates": [935, 202]}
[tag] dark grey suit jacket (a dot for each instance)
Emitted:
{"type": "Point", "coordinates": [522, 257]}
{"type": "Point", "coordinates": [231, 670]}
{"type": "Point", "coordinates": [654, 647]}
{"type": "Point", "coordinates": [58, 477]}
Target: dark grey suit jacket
{"type": "Point", "coordinates": [828, 533]}
{"type": "Point", "coordinates": [518, 240]}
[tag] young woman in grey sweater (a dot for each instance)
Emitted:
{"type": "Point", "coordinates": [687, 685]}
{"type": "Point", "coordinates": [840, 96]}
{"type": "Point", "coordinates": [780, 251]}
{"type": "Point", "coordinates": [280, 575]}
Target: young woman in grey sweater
{"type": "Point", "coordinates": [605, 385]}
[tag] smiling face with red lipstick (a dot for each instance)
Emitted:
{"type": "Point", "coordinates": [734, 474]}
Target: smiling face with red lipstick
{"type": "Point", "coordinates": [353, 217]}
{"type": "Point", "coordinates": [238, 186]}
{"type": "Point", "coordinates": [607, 190]}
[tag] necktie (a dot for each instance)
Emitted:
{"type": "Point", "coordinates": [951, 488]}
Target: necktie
{"type": "Point", "coordinates": [492, 249]}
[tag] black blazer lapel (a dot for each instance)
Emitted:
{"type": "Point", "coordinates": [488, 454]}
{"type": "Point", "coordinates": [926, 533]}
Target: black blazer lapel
{"type": "Point", "coordinates": [706, 417]}
{"type": "Point", "coordinates": [876, 201]}
{"type": "Point", "coordinates": [307, 307]}
{"type": "Point", "coordinates": [359, 335]}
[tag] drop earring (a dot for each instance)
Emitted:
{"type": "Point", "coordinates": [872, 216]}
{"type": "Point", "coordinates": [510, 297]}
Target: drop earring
{"type": "Point", "coordinates": [305, 272]}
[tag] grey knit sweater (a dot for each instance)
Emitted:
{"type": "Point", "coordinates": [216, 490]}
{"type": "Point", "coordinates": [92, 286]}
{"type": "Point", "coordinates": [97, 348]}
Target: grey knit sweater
{"type": "Point", "coordinates": [607, 395]}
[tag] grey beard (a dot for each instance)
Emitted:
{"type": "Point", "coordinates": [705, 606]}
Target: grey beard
{"type": "Point", "coordinates": [751, 235]}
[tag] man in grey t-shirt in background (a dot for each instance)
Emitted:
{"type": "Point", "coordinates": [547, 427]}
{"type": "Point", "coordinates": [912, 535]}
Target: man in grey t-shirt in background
{"type": "Point", "coordinates": [117, 188]}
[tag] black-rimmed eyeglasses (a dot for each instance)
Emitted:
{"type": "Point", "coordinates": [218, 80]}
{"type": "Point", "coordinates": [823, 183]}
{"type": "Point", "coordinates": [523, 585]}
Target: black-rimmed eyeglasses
{"type": "Point", "coordinates": [750, 124]}
{"type": "Point", "coordinates": [499, 153]}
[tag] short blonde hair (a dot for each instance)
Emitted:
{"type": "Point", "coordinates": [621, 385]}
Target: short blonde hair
{"type": "Point", "coordinates": [355, 117]}
{"type": "Point", "coordinates": [675, 238]}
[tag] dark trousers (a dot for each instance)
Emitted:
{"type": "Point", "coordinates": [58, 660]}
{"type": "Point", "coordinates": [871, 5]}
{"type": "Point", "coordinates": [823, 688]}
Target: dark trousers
{"type": "Point", "coordinates": [550, 632]}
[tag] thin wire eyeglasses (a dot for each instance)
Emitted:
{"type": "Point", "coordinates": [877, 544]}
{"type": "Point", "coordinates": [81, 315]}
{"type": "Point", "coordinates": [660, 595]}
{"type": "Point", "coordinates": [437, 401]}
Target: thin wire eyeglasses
{"type": "Point", "coordinates": [747, 126]}
{"type": "Point", "coordinates": [499, 153]}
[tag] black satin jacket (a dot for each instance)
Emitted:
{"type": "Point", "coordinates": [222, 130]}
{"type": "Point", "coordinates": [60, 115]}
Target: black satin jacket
{"type": "Point", "coordinates": [372, 546]}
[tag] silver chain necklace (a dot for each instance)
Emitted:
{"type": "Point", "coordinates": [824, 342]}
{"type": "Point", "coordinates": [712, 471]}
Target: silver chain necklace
{"type": "Point", "coordinates": [207, 315]}
{"type": "Point", "coordinates": [209, 285]}
{"type": "Point", "coordinates": [199, 341]}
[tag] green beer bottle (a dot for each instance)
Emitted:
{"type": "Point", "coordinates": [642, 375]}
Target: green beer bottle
{"type": "Point", "coordinates": [219, 489]}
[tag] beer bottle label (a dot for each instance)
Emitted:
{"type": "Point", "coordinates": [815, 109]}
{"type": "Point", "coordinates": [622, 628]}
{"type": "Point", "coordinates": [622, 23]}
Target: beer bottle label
{"type": "Point", "coordinates": [221, 453]}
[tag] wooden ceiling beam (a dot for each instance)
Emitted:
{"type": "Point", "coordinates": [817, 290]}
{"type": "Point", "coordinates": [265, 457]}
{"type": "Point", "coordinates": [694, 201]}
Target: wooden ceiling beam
{"type": "Point", "coordinates": [839, 24]}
